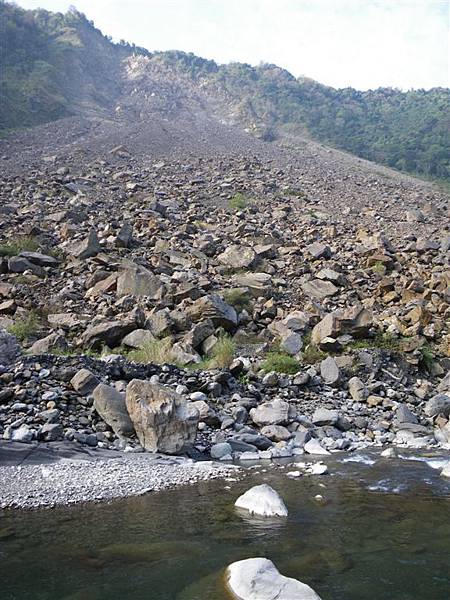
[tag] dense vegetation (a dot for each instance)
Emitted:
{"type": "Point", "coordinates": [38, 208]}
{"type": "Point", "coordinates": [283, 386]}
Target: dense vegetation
{"type": "Point", "coordinates": [44, 54]}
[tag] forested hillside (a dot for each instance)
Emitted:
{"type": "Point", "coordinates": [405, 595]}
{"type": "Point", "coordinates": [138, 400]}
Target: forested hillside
{"type": "Point", "coordinates": [54, 65]}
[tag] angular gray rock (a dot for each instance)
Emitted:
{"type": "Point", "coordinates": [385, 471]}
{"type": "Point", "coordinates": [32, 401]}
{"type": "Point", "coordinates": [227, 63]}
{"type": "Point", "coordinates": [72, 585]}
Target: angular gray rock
{"type": "Point", "coordinates": [163, 420]}
{"type": "Point", "coordinates": [237, 257]}
{"type": "Point", "coordinates": [357, 389]}
{"type": "Point", "coordinates": [330, 371]}
{"type": "Point", "coordinates": [138, 338]}
{"type": "Point", "coordinates": [111, 406]}
{"type": "Point", "coordinates": [274, 412]}
{"type": "Point", "coordinates": [84, 382]}
{"type": "Point", "coordinates": [135, 280]}
{"type": "Point", "coordinates": [213, 307]}
{"type": "Point", "coordinates": [41, 260]}
{"type": "Point", "coordinates": [438, 405]}
{"type": "Point", "coordinates": [110, 333]}
{"type": "Point", "coordinates": [324, 416]}
{"type": "Point", "coordinates": [87, 248]}
{"type": "Point", "coordinates": [9, 348]}
{"type": "Point", "coordinates": [317, 288]}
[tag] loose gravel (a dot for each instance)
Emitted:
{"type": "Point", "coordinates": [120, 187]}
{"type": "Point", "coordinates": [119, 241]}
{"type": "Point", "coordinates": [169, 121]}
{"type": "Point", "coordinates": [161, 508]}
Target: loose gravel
{"type": "Point", "coordinates": [68, 483]}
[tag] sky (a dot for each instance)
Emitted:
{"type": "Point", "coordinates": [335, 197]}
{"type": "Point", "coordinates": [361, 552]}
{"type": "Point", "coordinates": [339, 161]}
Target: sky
{"type": "Point", "coordinates": [364, 44]}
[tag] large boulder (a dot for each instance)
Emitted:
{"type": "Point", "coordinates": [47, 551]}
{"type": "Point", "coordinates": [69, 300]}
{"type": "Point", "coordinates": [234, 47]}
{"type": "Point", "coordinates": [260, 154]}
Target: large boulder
{"type": "Point", "coordinates": [274, 412]}
{"type": "Point", "coordinates": [237, 257]}
{"type": "Point", "coordinates": [135, 280]}
{"type": "Point", "coordinates": [163, 420]}
{"type": "Point", "coordinates": [109, 333]}
{"type": "Point", "coordinates": [438, 405]}
{"type": "Point", "coordinates": [215, 308]}
{"type": "Point", "coordinates": [87, 248]}
{"type": "Point", "coordinates": [262, 500]}
{"type": "Point", "coordinates": [111, 406]}
{"type": "Point", "coordinates": [355, 320]}
{"type": "Point", "coordinates": [329, 371]}
{"type": "Point", "coordinates": [259, 579]}
{"type": "Point", "coordinates": [319, 289]}
{"type": "Point", "coordinates": [9, 348]}
{"type": "Point", "coordinates": [258, 284]}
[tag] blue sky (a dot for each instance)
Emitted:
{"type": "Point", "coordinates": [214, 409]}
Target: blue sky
{"type": "Point", "coordinates": [360, 43]}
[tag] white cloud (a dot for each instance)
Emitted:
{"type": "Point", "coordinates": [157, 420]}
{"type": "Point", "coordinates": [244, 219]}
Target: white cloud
{"type": "Point", "coordinates": [359, 43]}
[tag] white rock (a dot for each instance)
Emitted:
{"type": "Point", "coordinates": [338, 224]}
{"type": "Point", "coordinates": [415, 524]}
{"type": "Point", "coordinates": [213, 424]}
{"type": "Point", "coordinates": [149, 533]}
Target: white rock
{"type": "Point", "coordinates": [262, 500]}
{"type": "Point", "coordinates": [318, 469]}
{"type": "Point", "coordinates": [294, 474]}
{"type": "Point", "coordinates": [313, 447]}
{"type": "Point", "coordinates": [22, 434]}
{"type": "Point", "coordinates": [388, 453]}
{"type": "Point", "coordinates": [249, 456]}
{"type": "Point", "coordinates": [259, 579]}
{"type": "Point", "coordinates": [446, 470]}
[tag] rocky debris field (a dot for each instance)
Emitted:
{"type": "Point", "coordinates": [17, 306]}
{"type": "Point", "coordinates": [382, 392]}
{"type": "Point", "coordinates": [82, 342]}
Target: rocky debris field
{"type": "Point", "coordinates": [229, 299]}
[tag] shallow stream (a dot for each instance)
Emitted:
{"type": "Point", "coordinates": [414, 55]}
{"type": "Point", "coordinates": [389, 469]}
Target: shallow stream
{"type": "Point", "coordinates": [382, 533]}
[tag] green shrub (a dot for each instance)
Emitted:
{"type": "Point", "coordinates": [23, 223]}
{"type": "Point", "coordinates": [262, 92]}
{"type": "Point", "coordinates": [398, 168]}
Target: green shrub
{"type": "Point", "coordinates": [238, 298]}
{"type": "Point", "coordinates": [427, 357]}
{"type": "Point", "coordinates": [25, 327]}
{"type": "Point", "coordinates": [381, 341]}
{"type": "Point", "coordinates": [239, 201]}
{"type": "Point", "coordinates": [223, 353]}
{"type": "Point", "coordinates": [379, 268]}
{"type": "Point", "coordinates": [281, 363]}
{"type": "Point", "coordinates": [311, 354]}
{"type": "Point", "coordinates": [27, 242]}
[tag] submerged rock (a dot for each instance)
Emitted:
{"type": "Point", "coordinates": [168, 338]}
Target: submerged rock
{"type": "Point", "coordinates": [259, 579]}
{"type": "Point", "coordinates": [262, 500]}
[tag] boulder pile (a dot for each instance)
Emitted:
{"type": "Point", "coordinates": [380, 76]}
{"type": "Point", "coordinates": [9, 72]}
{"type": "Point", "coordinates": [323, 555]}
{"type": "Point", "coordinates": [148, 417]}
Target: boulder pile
{"type": "Point", "coordinates": [286, 301]}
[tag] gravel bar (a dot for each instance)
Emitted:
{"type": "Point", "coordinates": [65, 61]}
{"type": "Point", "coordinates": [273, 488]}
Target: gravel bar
{"type": "Point", "coordinates": [66, 483]}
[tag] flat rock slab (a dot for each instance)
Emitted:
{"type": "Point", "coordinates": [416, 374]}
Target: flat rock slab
{"type": "Point", "coordinates": [17, 454]}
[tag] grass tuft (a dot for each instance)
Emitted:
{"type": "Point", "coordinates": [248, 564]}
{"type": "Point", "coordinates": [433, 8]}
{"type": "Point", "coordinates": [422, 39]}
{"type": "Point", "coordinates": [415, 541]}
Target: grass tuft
{"type": "Point", "coordinates": [157, 352]}
{"type": "Point", "coordinates": [27, 242]}
{"type": "Point", "coordinates": [239, 201]}
{"type": "Point", "coordinates": [237, 298]}
{"type": "Point", "coordinates": [25, 327]}
{"type": "Point", "coordinates": [427, 357]}
{"type": "Point", "coordinates": [281, 363]}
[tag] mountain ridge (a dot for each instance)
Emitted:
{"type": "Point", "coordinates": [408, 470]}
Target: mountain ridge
{"type": "Point", "coordinates": [69, 67]}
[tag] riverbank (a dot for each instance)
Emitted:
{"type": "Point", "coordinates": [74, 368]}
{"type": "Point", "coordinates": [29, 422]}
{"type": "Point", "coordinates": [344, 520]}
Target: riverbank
{"type": "Point", "coordinates": [46, 477]}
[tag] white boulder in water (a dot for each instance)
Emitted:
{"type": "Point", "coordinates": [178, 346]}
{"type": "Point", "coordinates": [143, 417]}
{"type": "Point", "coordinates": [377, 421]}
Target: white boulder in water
{"type": "Point", "coordinates": [446, 470]}
{"type": "Point", "coordinates": [388, 453]}
{"type": "Point", "coordinates": [259, 579]}
{"type": "Point", "coordinates": [318, 469]}
{"type": "Point", "coordinates": [262, 500]}
{"type": "Point", "coordinates": [313, 446]}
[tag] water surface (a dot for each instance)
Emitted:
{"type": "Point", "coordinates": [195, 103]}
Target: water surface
{"type": "Point", "coordinates": [383, 533]}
